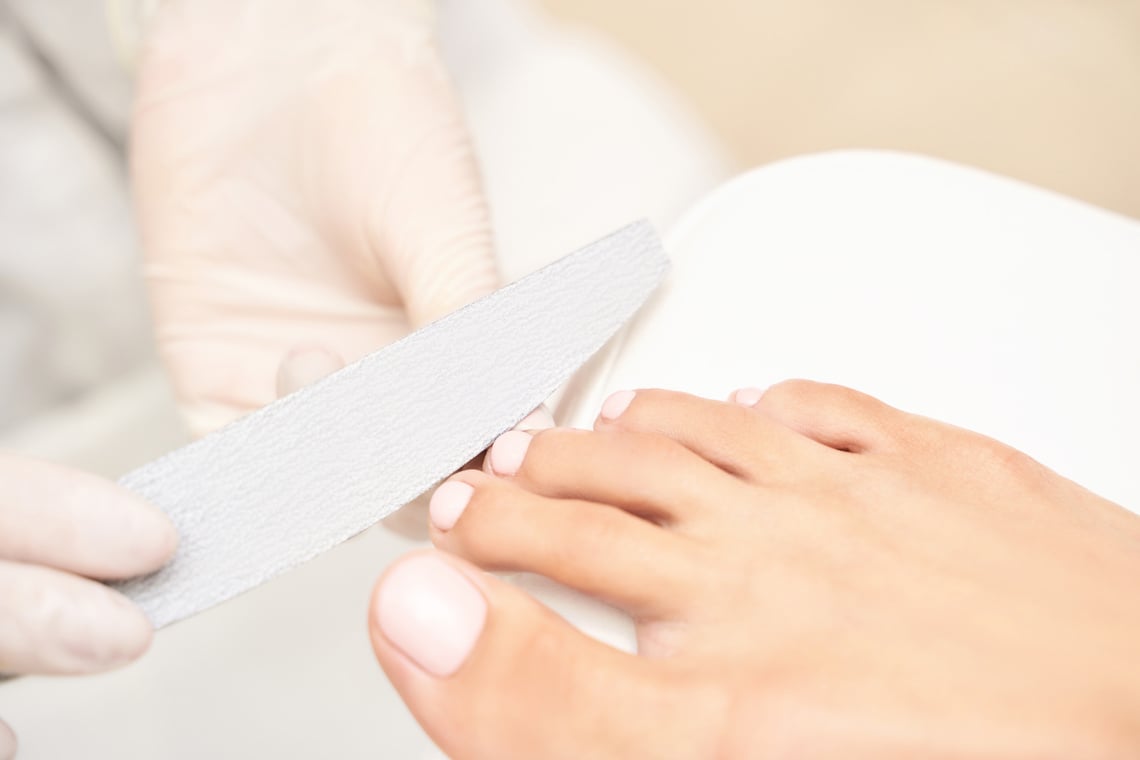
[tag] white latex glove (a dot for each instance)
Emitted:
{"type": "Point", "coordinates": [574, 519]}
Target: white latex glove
{"type": "Point", "coordinates": [306, 188]}
{"type": "Point", "coordinates": [58, 530]}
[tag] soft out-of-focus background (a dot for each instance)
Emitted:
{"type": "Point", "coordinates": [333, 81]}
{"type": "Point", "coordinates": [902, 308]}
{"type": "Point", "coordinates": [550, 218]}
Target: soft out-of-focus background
{"type": "Point", "coordinates": [1047, 91]}
{"type": "Point", "coordinates": [654, 100]}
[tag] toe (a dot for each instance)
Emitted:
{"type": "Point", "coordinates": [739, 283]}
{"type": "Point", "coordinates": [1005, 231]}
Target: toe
{"type": "Point", "coordinates": [649, 475]}
{"type": "Point", "coordinates": [598, 549]}
{"type": "Point", "coordinates": [732, 437]}
{"type": "Point", "coordinates": [490, 673]}
{"type": "Point", "coordinates": [837, 417]}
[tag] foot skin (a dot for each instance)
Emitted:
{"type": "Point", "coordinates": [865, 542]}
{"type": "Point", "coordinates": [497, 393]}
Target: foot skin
{"type": "Point", "coordinates": [812, 573]}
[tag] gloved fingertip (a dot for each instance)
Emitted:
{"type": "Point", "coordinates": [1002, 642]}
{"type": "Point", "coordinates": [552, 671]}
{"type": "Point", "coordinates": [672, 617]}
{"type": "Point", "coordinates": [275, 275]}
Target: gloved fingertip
{"type": "Point", "coordinates": [305, 365]}
{"type": "Point", "coordinates": [8, 743]}
{"type": "Point", "coordinates": [152, 538]}
{"type": "Point", "coordinates": [111, 633]}
{"type": "Point", "coordinates": [61, 624]}
{"type": "Point", "coordinates": [204, 417]}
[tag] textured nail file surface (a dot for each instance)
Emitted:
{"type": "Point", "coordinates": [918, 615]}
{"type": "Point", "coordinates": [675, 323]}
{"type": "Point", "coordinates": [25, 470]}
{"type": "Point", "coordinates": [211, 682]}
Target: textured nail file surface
{"type": "Point", "coordinates": [298, 477]}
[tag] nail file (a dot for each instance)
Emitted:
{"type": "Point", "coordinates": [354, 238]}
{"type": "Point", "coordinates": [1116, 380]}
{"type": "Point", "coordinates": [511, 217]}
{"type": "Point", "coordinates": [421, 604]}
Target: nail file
{"type": "Point", "coordinates": [300, 476]}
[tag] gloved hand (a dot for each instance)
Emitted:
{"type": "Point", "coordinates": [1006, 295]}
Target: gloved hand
{"type": "Point", "coordinates": [306, 191]}
{"type": "Point", "coordinates": [58, 530]}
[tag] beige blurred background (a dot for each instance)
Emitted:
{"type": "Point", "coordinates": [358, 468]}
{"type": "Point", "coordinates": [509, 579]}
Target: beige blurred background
{"type": "Point", "coordinates": [1043, 90]}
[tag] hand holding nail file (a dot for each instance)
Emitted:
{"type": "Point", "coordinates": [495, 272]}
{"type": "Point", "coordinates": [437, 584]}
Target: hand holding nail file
{"type": "Point", "coordinates": [300, 476]}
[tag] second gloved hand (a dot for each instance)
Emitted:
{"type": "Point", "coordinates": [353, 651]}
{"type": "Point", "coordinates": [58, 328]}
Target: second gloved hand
{"type": "Point", "coordinates": [59, 529]}
{"type": "Point", "coordinates": [306, 188]}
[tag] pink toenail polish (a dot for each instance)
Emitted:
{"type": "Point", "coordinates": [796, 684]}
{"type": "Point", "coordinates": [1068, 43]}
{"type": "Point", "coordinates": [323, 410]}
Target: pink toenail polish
{"type": "Point", "coordinates": [508, 452]}
{"type": "Point", "coordinates": [616, 405]}
{"type": "Point", "coordinates": [748, 396]}
{"type": "Point", "coordinates": [448, 503]}
{"type": "Point", "coordinates": [433, 614]}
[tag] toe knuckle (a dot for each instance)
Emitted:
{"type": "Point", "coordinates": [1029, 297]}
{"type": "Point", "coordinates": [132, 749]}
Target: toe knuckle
{"type": "Point", "coordinates": [800, 395]}
{"type": "Point", "coordinates": [1005, 461]}
{"type": "Point", "coordinates": [790, 394]}
{"type": "Point", "coordinates": [841, 395]}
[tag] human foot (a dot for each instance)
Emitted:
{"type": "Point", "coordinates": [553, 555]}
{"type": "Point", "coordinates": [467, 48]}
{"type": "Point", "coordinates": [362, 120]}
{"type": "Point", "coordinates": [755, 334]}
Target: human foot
{"type": "Point", "coordinates": [812, 574]}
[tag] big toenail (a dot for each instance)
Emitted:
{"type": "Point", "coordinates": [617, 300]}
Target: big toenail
{"type": "Point", "coordinates": [748, 396]}
{"type": "Point", "coordinates": [433, 614]}
{"type": "Point", "coordinates": [448, 503]}
{"type": "Point", "coordinates": [616, 405]}
{"type": "Point", "coordinates": [508, 452]}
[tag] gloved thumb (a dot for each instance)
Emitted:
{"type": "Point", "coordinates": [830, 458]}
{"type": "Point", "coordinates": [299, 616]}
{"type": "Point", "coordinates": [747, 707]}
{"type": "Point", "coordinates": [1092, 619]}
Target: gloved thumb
{"type": "Point", "coordinates": [432, 230]}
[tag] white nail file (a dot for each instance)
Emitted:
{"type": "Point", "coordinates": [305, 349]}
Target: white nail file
{"type": "Point", "coordinates": [300, 476]}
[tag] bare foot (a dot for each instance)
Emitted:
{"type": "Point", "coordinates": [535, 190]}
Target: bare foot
{"type": "Point", "coordinates": [813, 574]}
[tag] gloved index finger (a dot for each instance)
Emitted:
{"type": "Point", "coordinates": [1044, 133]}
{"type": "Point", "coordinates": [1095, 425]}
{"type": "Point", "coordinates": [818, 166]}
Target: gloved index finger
{"type": "Point", "coordinates": [55, 623]}
{"type": "Point", "coordinates": [74, 521]}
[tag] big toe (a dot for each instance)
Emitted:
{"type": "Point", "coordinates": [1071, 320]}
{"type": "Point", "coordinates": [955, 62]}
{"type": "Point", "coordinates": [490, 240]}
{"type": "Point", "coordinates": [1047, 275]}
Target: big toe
{"type": "Point", "coordinates": [490, 673]}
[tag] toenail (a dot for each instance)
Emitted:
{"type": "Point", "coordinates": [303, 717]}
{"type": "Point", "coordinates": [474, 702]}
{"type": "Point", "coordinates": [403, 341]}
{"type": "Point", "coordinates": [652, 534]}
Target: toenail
{"type": "Point", "coordinates": [616, 404]}
{"type": "Point", "coordinates": [433, 614]}
{"type": "Point", "coordinates": [508, 452]}
{"type": "Point", "coordinates": [748, 396]}
{"type": "Point", "coordinates": [448, 503]}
